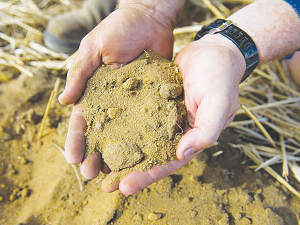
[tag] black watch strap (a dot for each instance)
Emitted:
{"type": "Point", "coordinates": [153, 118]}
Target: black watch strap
{"type": "Point", "coordinates": [239, 37]}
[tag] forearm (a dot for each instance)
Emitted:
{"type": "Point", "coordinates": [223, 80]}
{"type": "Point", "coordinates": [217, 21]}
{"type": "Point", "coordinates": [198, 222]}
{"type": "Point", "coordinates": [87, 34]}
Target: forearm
{"type": "Point", "coordinates": [273, 25]}
{"type": "Point", "coordinates": [163, 11]}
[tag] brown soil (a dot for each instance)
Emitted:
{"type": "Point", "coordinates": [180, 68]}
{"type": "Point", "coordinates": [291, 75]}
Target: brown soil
{"type": "Point", "coordinates": [135, 115]}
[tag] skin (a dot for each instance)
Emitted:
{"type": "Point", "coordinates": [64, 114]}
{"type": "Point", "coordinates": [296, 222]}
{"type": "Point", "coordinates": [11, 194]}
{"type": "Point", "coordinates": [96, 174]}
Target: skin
{"type": "Point", "coordinates": [203, 81]}
{"type": "Point", "coordinates": [294, 67]}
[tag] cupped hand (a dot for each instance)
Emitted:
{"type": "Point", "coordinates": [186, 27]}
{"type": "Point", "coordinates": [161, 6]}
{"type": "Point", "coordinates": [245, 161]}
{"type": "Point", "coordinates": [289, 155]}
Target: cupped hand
{"type": "Point", "coordinates": [117, 40]}
{"type": "Point", "coordinates": [212, 68]}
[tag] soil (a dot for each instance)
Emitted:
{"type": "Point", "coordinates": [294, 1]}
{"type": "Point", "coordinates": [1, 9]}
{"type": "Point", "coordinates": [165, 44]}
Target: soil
{"type": "Point", "coordinates": [135, 115]}
{"type": "Point", "coordinates": [37, 185]}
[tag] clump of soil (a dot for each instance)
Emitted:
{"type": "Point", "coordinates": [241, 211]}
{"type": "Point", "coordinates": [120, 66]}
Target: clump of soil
{"type": "Point", "coordinates": [135, 115]}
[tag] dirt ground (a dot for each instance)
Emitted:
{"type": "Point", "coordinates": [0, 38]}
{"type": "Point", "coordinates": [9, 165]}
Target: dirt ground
{"type": "Point", "coordinates": [38, 186]}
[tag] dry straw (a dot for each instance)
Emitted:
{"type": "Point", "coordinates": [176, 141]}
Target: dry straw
{"type": "Point", "coordinates": [274, 107]}
{"type": "Point", "coordinates": [21, 26]}
{"type": "Point", "coordinates": [62, 151]}
{"type": "Point", "coordinates": [48, 107]}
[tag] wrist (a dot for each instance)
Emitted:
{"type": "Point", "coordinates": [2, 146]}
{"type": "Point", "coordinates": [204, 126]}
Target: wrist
{"type": "Point", "coordinates": [165, 13]}
{"type": "Point", "coordinates": [226, 50]}
{"type": "Point", "coordinates": [273, 25]}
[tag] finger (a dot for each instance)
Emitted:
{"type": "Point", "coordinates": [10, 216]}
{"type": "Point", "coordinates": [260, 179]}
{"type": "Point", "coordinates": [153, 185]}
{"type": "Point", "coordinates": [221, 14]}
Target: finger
{"type": "Point", "coordinates": [105, 169]}
{"type": "Point", "coordinates": [229, 120]}
{"type": "Point", "coordinates": [75, 142]}
{"type": "Point", "coordinates": [164, 48]}
{"type": "Point", "coordinates": [210, 119]}
{"type": "Point", "coordinates": [86, 62]}
{"type": "Point", "coordinates": [137, 180]}
{"type": "Point", "coordinates": [91, 166]}
{"type": "Point", "coordinates": [111, 182]}
{"type": "Point", "coordinates": [115, 66]}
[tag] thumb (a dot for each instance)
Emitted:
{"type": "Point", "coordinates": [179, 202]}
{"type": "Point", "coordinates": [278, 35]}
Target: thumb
{"type": "Point", "coordinates": [87, 60]}
{"type": "Point", "coordinates": [211, 118]}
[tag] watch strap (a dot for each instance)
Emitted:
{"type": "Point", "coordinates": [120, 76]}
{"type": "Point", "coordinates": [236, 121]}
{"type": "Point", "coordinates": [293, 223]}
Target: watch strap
{"type": "Point", "coordinates": [295, 4]}
{"type": "Point", "coordinates": [239, 37]}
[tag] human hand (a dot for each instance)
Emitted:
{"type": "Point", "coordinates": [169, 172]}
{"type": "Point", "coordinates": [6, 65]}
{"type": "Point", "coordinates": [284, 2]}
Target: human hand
{"type": "Point", "coordinates": [211, 69]}
{"type": "Point", "coordinates": [117, 40]}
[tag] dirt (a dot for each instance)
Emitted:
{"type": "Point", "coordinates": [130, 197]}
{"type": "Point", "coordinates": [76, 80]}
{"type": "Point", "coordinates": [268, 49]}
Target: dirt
{"type": "Point", "coordinates": [37, 185]}
{"type": "Point", "coordinates": [135, 115]}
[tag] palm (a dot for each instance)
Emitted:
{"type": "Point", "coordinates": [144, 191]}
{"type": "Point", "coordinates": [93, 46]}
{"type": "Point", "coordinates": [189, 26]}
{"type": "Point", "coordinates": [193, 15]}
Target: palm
{"type": "Point", "coordinates": [114, 42]}
{"type": "Point", "coordinates": [123, 42]}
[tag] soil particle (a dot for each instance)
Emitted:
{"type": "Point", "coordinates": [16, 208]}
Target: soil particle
{"type": "Point", "coordinates": [15, 194]}
{"type": "Point", "coordinates": [170, 91]}
{"type": "Point", "coordinates": [153, 216]}
{"type": "Point", "coordinates": [130, 84]}
{"type": "Point", "coordinates": [245, 221]}
{"type": "Point", "coordinates": [193, 214]}
{"type": "Point", "coordinates": [32, 116]}
{"type": "Point", "coordinates": [138, 218]}
{"type": "Point", "coordinates": [100, 120]}
{"type": "Point", "coordinates": [23, 160]}
{"type": "Point", "coordinates": [114, 112]}
{"type": "Point", "coordinates": [11, 170]}
{"type": "Point", "coordinates": [224, 219]}
{"type": "Point", "coordinates": [25, 192]}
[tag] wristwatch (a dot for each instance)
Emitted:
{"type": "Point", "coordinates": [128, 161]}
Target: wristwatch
{"type": "Point", "coordinates": [239, 37]}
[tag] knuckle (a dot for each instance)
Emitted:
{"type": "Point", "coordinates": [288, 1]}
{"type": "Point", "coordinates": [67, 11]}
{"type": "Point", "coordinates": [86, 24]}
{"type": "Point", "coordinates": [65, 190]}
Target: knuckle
{"type": "Point", "coordinates": [86, 42]}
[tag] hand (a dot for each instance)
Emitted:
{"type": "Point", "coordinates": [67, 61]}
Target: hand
{"type": "Point", "coordinates": [117, 40]}
{"type": "Point", "coordinates": [212, 69]}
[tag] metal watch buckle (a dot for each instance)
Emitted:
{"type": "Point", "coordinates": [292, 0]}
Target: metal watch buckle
{"type": "Point", "coordinates": [222, 27]}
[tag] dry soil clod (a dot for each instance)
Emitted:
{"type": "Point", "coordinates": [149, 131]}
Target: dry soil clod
{"type": "Point", "coordinates": [154, 216]}
{"type": "Point", "coordinates": [170, 91]}
{"type": "Point", "coordinates": [130, 84]}
{"type": "Point", "coordinates": [122, 155]}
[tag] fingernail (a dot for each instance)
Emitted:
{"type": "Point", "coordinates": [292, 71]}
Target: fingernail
{"type": "Point", "coordinates": [60, 98]}
{"type": "Point", "coordinates": [116, 66]}
{"type": "Point", "coordinates": [188, 154]}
